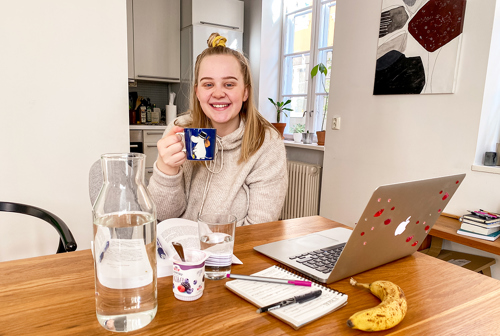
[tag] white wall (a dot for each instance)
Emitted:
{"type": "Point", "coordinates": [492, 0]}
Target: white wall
{"type": "Point", "coordinates": [63, 70]}
{"type": "Point", "coordinates": [252, 39]}
{"type": "Point", "coordinates": [395, 138]}
{"type": "Point", "coordinates": [490, 115]}
{"type": "Point", "coordinates": [270, 42]}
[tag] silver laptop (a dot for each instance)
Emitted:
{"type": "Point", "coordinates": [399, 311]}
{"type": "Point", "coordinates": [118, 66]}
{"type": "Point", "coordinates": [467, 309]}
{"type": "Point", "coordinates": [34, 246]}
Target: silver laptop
{"type": "Point", "coordinates": [393, 225]}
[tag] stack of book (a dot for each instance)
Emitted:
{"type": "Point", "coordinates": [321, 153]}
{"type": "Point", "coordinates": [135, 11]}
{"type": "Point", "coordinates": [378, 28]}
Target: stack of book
{"type": "Point", "coordinates": [480, 224]}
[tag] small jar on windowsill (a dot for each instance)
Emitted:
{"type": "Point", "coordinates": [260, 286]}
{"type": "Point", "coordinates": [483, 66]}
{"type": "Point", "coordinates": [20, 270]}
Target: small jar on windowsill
{"type": "Point", "coordinates": [307, 137]}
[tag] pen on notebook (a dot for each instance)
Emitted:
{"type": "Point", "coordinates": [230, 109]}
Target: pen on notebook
{"type": "Point", "coordinates": [482, 215]}
{"type": "Point", "coordinates": [495, 215]}
{"type": "Point", "coordinates": [296, 299]}
{"type": "Point", "coordinates": [273, 280]}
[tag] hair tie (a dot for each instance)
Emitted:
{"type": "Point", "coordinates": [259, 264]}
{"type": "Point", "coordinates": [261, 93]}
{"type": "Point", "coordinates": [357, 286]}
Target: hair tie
{"type": "Point", "coordinates": [219, 41]}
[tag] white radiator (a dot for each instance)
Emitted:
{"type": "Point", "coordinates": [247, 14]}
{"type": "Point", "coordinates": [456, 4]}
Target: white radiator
{"type": "Point", "coordinates": [302, 198]}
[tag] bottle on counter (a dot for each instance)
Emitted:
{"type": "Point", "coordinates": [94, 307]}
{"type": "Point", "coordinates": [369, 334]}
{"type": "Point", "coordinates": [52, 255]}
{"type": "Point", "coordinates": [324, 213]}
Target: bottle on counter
{"type": "Point", "coordinates": [143, 114]}
{"type": "Point", "coordinates": [155, 115]}
{"type": "Point", "coordinates": [148, 114]}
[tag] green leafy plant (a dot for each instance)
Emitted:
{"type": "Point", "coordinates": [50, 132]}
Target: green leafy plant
{"type": "Point", "coordinates": [280, 108]}
{"type": "Point", "coordinates": [321, 68]}
{"type": "Point", "coordinates": [298, 128]}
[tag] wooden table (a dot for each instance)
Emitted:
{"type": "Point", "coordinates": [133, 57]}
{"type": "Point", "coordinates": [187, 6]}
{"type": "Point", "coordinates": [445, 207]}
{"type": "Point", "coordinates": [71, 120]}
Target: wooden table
{"type": "Point", "coordinates": [54, 295]}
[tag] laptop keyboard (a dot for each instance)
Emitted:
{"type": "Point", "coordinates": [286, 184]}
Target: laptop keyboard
{"type": "Point", "coordinates": [322, 260]}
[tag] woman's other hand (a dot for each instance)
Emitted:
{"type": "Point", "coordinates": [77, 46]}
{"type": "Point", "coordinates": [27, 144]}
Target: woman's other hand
{"type": "Point", "coordinates": [170, 152]}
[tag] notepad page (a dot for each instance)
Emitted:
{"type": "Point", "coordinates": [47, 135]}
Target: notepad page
{"type": "Point", "coordinates": [263, 294]}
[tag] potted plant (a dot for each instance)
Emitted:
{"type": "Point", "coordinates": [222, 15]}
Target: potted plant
{"type": "Point", "coordinates": [321, 68]}
{"type": "Point", "coordinates": [297, 131]}
{"type": "Point", "coordinates": [280, 108]}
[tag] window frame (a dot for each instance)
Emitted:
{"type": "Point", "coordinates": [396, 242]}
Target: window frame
{"type": "Point", "coordinates": [312, 116]}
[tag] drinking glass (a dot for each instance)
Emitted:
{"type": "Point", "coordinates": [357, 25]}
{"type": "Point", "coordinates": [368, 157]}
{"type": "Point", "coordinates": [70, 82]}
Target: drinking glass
{"type": "Point", "coordinates": [216, 233]}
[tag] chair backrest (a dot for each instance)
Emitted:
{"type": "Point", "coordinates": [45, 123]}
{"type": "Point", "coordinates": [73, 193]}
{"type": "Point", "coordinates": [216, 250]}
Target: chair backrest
{"type": "Point", "coordinates": [67, 242]}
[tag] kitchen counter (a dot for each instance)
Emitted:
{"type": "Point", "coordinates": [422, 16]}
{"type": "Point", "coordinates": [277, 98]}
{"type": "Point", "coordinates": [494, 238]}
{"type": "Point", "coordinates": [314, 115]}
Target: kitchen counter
{"type": "Point", "coordinates": [148, 127]}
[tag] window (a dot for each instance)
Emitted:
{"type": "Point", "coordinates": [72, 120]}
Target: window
{"type": "Point", "coordinates": [307, 41]}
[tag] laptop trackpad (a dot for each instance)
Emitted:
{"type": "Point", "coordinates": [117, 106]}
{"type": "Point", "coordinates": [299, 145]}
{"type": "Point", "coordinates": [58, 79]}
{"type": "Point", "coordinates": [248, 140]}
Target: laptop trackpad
{"type": "Point", "coordinates": [310, 243]}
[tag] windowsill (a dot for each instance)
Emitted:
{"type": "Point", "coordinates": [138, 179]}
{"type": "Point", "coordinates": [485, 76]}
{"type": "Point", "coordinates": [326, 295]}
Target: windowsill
{"type": "Point", "coordinates": [486, 169]}
{"type": "Point", "coordinates": [314, 146]}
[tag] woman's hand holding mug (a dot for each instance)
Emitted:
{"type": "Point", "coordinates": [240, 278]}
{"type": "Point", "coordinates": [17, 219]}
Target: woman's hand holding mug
{"type": "Point", "coordinates": [170, 152]}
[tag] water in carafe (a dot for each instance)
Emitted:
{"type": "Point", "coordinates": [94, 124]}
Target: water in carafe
{"type": "Point", "coordinates": [124, 245]}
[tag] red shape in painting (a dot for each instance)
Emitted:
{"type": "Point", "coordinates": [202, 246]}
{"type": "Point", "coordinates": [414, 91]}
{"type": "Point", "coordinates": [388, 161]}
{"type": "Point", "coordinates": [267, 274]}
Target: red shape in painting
{"type": "Point", "coordinates": [457, 182]}
{"type": "Point", "coordinates": [417, 222]}
{"type": "Point", "coordinates": [415, 243]}
{"type": "Point", "coordinates": [427, 228]}
{"type": "Point", "coordinates": [445, 196]}
{"type": "Point", "coordinates": [387, 222]}
{"type": "Point", "coordinates": [378, 213]}
{"type": "Point", "coordinates": [440, 192]}
{"type": "Point", "coordinates": [409, 238]}
{"type": "Point", "coordinates": [362, 233]}
{"type": "Point", "coordinates": [437, 23]}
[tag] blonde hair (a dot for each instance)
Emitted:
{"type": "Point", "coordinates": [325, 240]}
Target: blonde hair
{"type": "Point", "coordinates": [255, 124]}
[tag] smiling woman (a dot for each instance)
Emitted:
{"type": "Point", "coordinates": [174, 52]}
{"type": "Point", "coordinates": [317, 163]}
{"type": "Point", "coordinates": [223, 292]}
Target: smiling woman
{"type": "Point", "coordinates": [248, 176]}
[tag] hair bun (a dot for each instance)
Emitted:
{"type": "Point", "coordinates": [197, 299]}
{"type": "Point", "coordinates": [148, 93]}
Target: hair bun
{"type": "Point", "coordinates": [215, 40]}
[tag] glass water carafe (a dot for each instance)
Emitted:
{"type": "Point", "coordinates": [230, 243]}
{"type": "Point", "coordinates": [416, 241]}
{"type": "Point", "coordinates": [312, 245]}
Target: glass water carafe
{"type": "Point", "coordinates": [124, 245]}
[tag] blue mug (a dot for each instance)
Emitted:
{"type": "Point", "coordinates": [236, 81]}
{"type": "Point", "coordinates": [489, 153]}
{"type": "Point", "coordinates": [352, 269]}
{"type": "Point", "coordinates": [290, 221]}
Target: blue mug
{"type": "Point", "coordinates": [200, 143]}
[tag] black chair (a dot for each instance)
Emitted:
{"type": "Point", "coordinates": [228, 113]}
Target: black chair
{"type": "Point", "coordinates": [67, 242]}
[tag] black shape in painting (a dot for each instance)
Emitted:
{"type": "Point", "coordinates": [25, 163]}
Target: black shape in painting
{"type": "Point", "coordinates": [397, 74]}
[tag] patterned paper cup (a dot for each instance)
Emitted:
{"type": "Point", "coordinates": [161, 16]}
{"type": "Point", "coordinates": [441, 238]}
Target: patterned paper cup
{"type": "Point", "coordinates": [189, 276]}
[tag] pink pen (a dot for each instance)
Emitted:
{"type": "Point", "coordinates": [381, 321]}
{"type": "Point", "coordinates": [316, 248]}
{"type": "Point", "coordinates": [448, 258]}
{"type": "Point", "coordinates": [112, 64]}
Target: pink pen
{"type": "Point", "coordinates": [273, 280]}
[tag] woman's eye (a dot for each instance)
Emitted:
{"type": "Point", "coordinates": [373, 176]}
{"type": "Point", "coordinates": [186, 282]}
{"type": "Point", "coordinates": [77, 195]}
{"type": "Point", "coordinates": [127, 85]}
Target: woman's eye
{"type": "Point", "coordinates": [209, 85]}
{"type": "Point", "coordinates": [230, 85]}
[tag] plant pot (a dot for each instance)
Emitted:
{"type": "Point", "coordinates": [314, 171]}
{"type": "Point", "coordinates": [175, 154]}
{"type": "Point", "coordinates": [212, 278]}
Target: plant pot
{"type": "Point", "coordinates": [280, 127]}
{"type": "Point", "coordinates": [307, 138]}
{"type": "Point", "coordinates": [321, 137]}
{"type": "Point", "coordinates": [297, 137]}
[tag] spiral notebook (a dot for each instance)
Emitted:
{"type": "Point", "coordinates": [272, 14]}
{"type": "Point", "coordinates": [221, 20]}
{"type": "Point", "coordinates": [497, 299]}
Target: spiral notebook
{"type": "Point", "coordinates": [297, 315]}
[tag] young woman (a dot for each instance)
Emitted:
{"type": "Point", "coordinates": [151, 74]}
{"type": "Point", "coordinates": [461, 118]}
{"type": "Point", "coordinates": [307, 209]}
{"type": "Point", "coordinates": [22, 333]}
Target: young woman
{"type": "Point", "coordinates": [248, 177]}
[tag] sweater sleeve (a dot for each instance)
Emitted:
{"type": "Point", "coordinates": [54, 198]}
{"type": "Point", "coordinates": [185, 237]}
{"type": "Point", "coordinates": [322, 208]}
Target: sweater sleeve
{"type": "Point", "coordinates": [268, 183]}
{"type": "Point", "coordinates": [168, 194]}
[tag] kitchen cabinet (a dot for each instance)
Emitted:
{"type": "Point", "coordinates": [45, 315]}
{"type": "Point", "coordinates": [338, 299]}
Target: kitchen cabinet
{"type": "Point", "coordinates": [151, 137]}
{"type": "Point", "coordinates": [226, 14]}
{"type": "Point", "coordinates": [154, 40]}
{"type": "Point", "coordinates": [145, 138]}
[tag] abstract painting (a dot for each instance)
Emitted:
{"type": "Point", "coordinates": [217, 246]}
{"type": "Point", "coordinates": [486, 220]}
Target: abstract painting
{"type": "Point", "coordinates": [418, 46]}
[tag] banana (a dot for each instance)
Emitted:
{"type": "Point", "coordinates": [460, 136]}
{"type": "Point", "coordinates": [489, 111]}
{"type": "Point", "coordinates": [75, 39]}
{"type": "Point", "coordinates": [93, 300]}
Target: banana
{"type": "Point", "coordinates": [387, 314]}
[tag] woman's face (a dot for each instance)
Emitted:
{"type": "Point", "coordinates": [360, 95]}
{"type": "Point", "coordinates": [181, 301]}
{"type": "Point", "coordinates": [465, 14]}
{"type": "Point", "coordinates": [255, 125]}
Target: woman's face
{"type": "Point", "coordinates": [221, 91]}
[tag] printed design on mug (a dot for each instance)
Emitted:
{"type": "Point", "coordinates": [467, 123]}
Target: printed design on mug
{"type": "Point", "coordinates": [202, 141]}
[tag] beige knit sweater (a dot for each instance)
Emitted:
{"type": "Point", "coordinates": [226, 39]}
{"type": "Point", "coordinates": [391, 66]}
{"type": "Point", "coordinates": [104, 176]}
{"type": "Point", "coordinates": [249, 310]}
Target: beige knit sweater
{"type": "Point", "coordinates": [253, 191]}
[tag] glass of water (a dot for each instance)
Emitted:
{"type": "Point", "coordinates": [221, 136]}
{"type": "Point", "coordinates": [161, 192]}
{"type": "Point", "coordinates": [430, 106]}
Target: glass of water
{"type": "Point", "coordinates": [217, 238]}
